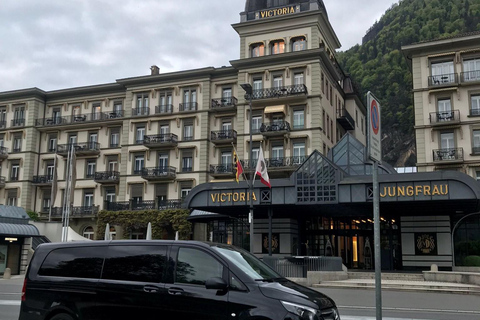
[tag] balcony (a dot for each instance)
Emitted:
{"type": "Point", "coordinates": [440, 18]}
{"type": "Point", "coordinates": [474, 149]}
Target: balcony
{"type": "Point", "coordinates": [3, 153]}
{"type": "Point", "coordinates": [284, 163]}
{"type": "Point", "coordinates": [470, 76]}
{"type": "Point", "coordinates": [276, 128]}
{"type": "Point", "coordinates": [164, 109]}
{"type": "Point", "coordinates": [143, 205]}
{"type": "Point", "coordinates": [188, 106]}
{"type": "Point", "coordinates": [107, 177]}
{"type": "Point", "coordinates": [443, 80]}
{"type": "Point", "coordinates": [222, 170]}
{"type": "Point", "coordinates": [448, 155]}
{"type": "Point", "coordinates": [164, 140]}
{"type": "Point", "coordinates": [445, 117]}
{"type": "Point", "coordinates": [345, 119]}
{"type": "Point", "coordinates": [137, 112]}
{"type": "Point", "coordinates": [79, 119]}
{"type": "Point", "coordinates": [81, 149]}
{"type": "Point", "coordinates": [2, 182]}
{"type": "Point", "coordinates": [77, 212]}
{"type": "Point", "coordinates": [224, 104]}
{"type": "Point", "coordinates": [278, 92]}
{"type": "Point", "coordinates": [159, 173]}
{"type": "Point", "coordinates": [42, 180]}
{"type": "Point", "coordinates": [17, 123]}
{"type": "Point", "coordinates": [223, 136]}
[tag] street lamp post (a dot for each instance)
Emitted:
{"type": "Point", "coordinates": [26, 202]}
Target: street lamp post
{"type": "Point", "coordinates": [249, 91]}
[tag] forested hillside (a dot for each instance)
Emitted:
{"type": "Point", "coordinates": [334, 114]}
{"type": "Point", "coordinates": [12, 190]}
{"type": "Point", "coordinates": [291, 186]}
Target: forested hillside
{"type": "Point", "coordinates": [379, 66]}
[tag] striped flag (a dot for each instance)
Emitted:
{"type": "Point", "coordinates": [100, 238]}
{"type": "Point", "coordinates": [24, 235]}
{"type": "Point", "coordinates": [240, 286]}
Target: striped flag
{"type": "Point", "coordinates": [261, 170]}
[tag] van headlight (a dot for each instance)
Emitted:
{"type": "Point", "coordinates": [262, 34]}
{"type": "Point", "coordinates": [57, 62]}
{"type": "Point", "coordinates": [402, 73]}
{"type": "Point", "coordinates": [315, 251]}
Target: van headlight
{"type": "Point", "coordinates": [303, 312]}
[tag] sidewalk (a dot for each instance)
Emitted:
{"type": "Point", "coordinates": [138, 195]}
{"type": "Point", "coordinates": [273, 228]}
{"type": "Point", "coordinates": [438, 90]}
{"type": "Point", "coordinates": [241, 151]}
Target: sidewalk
{"type": "Point", "coordinates": [404, 285]}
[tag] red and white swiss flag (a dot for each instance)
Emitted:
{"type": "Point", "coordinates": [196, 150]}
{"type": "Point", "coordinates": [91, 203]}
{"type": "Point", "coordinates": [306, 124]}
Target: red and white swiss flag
{"type": "Point", "coordinates": [261, 169]}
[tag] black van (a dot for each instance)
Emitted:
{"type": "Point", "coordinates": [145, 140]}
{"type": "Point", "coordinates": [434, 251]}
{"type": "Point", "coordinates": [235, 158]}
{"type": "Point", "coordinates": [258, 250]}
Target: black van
{"type": "Point", "coordinates": [161, 280]}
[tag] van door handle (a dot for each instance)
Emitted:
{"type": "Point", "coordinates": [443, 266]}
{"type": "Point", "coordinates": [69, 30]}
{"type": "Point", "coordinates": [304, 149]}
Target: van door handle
{"type": "Point", "coordinates": [150, 289]}
{"type": "Point", "coordinates": [175, 291]}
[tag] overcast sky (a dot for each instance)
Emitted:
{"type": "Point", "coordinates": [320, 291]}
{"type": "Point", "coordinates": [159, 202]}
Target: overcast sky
{"type": "Point", "coordinates": [56, 44]}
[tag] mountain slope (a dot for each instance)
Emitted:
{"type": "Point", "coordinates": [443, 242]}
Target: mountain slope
{"type": "Point", "coordinates": [379, 66]}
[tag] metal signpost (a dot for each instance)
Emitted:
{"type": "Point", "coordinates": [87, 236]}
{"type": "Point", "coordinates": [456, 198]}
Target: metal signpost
{"type": "Point", "coordinates": [375, 154]}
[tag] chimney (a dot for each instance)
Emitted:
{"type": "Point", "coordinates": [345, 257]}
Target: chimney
{"type": "Point", "coordinates": [154, 70]}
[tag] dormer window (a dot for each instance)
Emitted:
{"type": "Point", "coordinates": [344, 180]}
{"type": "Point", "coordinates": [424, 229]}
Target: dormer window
{"type": "Point", "coordinates": [299, 44]}
{"type": "Point", "coordinates": [277, 46]}
{"type": "Point", "coordinates": [257, 49]}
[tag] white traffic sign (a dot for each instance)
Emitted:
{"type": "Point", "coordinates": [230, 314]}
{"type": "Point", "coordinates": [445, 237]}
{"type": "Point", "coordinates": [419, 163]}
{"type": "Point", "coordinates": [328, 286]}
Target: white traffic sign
{"type": "Point", "coordinates": [374, 128]}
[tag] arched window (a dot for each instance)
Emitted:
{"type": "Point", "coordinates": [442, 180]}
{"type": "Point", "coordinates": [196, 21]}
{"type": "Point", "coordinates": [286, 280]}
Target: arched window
{"type": "Point", "coordinates": [299, 44]}
{"type": "Point", "coordinates": [277, 46]}
{"type": "Point", "coordinates": [257, 50]}
{"type": "Point", "coordinates": [88, 232]}
{"type": "Point", "coordinates": [466, 243]}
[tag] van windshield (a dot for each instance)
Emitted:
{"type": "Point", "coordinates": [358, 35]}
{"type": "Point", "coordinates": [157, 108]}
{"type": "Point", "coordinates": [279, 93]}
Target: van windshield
{"type": "Point", "coordinates": [248, 263]}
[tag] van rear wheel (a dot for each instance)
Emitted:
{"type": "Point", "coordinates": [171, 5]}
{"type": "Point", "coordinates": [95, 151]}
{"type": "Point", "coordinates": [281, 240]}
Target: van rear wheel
{"type": "Point", "coordinates": [62, 316]}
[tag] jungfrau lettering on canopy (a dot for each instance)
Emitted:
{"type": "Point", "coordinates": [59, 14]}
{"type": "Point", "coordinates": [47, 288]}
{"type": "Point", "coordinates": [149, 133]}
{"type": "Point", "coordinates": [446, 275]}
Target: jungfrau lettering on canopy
{"type": "Point", "coordinates": [277, 12]}
{"type": "Point", "coordinates": [410, 191]}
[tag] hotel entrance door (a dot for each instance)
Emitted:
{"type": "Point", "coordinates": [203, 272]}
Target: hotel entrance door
{"type": "Point", "coordinates": [352, 240]}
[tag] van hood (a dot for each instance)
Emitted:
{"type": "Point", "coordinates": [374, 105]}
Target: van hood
{"type": "Point", "coordinates": [290, 291]}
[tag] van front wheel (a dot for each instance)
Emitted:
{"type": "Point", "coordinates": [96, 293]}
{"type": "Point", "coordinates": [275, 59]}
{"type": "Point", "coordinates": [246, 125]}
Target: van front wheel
{"type": "Point", "coordinates": [62, 316]}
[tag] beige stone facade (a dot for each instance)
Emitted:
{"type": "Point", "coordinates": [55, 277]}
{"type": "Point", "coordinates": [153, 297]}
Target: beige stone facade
{"type": "Point", "coordinates": [446, 93]}
{"type": "Point", "coordinates": [145, 142]}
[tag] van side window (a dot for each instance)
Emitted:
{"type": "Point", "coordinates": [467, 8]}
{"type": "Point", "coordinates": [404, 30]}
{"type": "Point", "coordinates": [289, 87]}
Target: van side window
{"type": "Point", "coordinates": [80, 262]}
{"type": "Point", "coordinates": [195, 267]}
{"type": "Point", "coordinates": [135, 263]}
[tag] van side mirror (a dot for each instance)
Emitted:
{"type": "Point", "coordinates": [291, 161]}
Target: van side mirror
{"type": "Point", "coordinates": [216, 283]}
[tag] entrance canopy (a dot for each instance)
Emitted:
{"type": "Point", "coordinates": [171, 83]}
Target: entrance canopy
{"type": "Point", "coordinates": [24, 230]}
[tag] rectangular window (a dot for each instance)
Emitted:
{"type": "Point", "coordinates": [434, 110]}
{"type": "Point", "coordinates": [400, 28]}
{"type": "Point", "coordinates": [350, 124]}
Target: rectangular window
{"type": "Point", "coordinates": [88, 199]}
{"type": "Point", "coordinates": [17, 143]}
{"type": "Point", "coordinates": [255, 155]}
{"type": "Point", "coordinates": [277, 82]}
{"type": "Point", "coordinates": [277, 152]}
{"type": "Point", "coordinates": [476, 141]}
{"type": "Point", "coordinates": [447, 140]}
{"type": "Point", "coordinates": [118, 108]}
{"type": "Point", "coordinates": [188, 130]}
{"type": "Point", "coordinates": [256, 124]}
{"type": "Point", "coordinates": [475, 105]}
{"type": "Point", "coordinates": [140, 134]}
{"type": "Point", "coordinates": [90, 170]}
{"type": "Point", "coordinates": [3, 118]}
{"type": "Point", "coordinates": [323, 83]}
{"type": "Point", "coordinates": [184, 192]}
{"type": "Point", "coordinates": [331, 95]}
{"type": "Point", "coordinates": [328, 126]}
{"type": "Point", "coordinates": [298, 152]}
{"type": "Point", "coordinates": [112, 165]}
{"type": "Point", "coordinates": [142, 103]}
{"type": "Point", "coordinates": [138, 165]}
{"type": "Point", "coordinates": [93, 141]}
{"type": "Point", "coordinates": [15, 171]}
{"type": "Point", "coordinates": [298, 119]}
{"type": "Point", "coordinates": [189, 99]}
{"type": "Point", "coordinates": [114, 138]}
{"type": "Point", "coordinates": [443, 72]}
{"type": "Point", "coordinates": [52, 143]}
{"type": "Point", "coordinates": [187, 161]}
{"type": "Point", "coordinates": [96, 111]}
{"type": "Point", "coordinates": [444, 110]}
{"type": "Point", "coordinates": [166, 102]}
{"type": "Point", "coordinates": [110, 195]}
{"type": "Point", "coordinates": [227, 127]}
{"type": "Point", "coordinates": [471, 70]}
{"type": "Point", "coordinates": [298, 79]}
{"type": "Point", "coordinates": [18, 116]}
{"type": "Point", "coordinates": [50, 170]}
{"type": "Point", "coordinates": [257, 83]}
{"type": "Point", "coordinates": [227, 158]}
{"type": "Point", "coordinates": [277, 47]}
{"type": "Point", "coordinates": [163, 160]}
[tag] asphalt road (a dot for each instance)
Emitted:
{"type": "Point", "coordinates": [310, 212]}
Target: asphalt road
{"type": "Point", "coordinates": [354, 304]}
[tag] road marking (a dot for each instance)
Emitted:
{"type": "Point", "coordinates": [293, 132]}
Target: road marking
{"type": "Point", "coordinates": [9, 303]}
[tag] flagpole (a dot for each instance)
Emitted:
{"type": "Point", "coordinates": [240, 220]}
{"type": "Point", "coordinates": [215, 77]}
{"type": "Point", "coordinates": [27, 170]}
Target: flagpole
{"type": "Point", "coordinates": [53, 187]}
{"type": "Point", "coordinates": [66, 193]}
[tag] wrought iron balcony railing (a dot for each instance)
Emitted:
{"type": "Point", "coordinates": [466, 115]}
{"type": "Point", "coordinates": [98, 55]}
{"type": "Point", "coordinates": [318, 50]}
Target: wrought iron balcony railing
{"type": "Point", "coordinates": [76, 211]}
{"type": "Point", "coordinates": [3, 124]}
{"type": "Point", "coordinates": [223, 135]}
{"type": "Point", "coordinates": [2, 182]}
{"type": "Point", "coordinates": [448, 154]}
{"type": "Point", "coordinates": [143, 205]}
{"type": "Point", "coordinates": [107, 176]}
{"type": "Point", "coordinates": [444, 117]}
{"type": "Point", "coordinates": [158, 139]}
{"type": "Point", "coordinates": [275, 126]}
{"type": "Point", "coordinates": [42, 179]}
{"type": "Point", "coordinates": [79, 147]}
{"type": "Point", "coordinates": [188, 106]}
{"type": "Point", "coordinates": [222, 168]}
{"type": "Point", "coordinates": [141, 111]}
{"type": "Point", "coordinates": [279, 162]}
{"type": "Point", "coordinates": [278, 92]}
{"type": "Point", "coordinates": [3, 151]}
{"type": "Point", "coordinates": [443, 79]}
{"type": "Point", "coordinates": [18, 123]}
{"type": "Point", "coordinates": [159, 173]}
{"type": "Point", "coordinates": [476, 150]}
{"type": "Point", "coordinates": [79, 118]}
{"type": "Point", "coordinates": [163, 109]}
{"type": "Point", "coordinates": [224, 102]}
{"type": "Point", "coordinates": [475, 112]}
{"type": "Point", "coordinates": [470, 76]}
